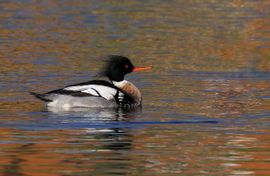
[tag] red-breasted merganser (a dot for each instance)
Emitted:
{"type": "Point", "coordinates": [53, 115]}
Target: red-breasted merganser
{"type": "Point", "coordinates": [99, 93]}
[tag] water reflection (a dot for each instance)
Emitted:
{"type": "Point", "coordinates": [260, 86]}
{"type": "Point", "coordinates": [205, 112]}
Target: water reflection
{"type": "Point", "coordinates": [14, 166]}
{"type": "Point", "coordinates": [107, 153]}
{"type": "Point", "coordinates": [97, 147]}
{"type": "Point", "coordinates": [78, 118]}
{"type": "Point", "coordinates": [228, 98]}
{"type": "Point", "coordinates": [91, 114]}
{"type": "Point", "coordinates": [206, 103]}
{"type": "Point", "coordinates": [117, 143]}
{"type": "Point", "coordinates": [102, 151]}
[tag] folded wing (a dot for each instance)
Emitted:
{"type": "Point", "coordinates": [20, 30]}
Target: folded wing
{"type": "Point", "coordinates": [97, 88]}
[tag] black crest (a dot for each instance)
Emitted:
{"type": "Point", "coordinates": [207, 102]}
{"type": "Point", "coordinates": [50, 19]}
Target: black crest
{"type": "Point", "coordinates": [117, 67]}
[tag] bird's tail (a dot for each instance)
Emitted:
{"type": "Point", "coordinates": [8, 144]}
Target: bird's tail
{"type": "Point", "coordinates": [42, 97]}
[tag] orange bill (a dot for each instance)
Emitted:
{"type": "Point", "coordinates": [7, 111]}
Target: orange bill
{"type": "Point", "coordinates": [142, 68]}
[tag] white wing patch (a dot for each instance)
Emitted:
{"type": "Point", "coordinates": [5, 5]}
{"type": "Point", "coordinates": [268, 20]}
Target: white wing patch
{"type": "Point", "coordinates": [96, 90]}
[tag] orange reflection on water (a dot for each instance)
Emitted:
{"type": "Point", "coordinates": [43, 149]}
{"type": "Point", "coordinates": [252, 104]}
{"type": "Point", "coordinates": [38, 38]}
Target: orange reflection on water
{"type": "Point", "coordinates": [49, 44]}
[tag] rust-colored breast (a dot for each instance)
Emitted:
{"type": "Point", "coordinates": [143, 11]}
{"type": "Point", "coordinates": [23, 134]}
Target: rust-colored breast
{"type": "Point", "coordinates": [132, 90]}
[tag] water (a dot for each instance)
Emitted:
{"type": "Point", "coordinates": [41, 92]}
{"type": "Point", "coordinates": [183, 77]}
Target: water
{"type": "Point", "coordinates": [205, 103]}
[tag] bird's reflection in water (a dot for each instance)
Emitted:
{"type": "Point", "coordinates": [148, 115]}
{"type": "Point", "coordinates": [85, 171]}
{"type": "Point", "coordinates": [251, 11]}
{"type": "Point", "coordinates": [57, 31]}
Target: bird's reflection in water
{"type": "Point", "coordinates": [96, 113]}
{"type": "Point", "coordinates": [112, 152]}
{"type": "Point", "coordinates": [110, 142]}
{"type": "Point", "coordinates": [78, 142]}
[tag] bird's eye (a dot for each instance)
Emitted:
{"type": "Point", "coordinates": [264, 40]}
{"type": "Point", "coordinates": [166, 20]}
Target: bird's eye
{"type": "Point", "coordinates": [126, 66]}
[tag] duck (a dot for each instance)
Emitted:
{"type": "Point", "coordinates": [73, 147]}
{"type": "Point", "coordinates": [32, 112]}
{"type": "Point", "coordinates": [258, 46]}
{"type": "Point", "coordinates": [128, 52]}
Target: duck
{"type": "Point", "coordinates": [114, 92]}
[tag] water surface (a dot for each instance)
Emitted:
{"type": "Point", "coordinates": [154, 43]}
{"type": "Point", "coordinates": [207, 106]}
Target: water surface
{"type": "Point", "coordinates": [205, 104]}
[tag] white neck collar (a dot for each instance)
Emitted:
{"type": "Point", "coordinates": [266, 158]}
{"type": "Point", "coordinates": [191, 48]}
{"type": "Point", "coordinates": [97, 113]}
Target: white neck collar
{"type": "Point", "coordinates": [120, 84]}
